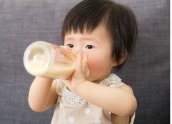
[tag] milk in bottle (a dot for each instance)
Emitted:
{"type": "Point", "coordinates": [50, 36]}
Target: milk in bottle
{"type": "Point", "coordinates": [49, 60]}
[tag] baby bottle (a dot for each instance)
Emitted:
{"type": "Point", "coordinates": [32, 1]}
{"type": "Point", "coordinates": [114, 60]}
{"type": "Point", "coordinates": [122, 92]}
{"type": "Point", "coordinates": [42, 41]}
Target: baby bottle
{"type": "Point", "coordinates": [49, 60]}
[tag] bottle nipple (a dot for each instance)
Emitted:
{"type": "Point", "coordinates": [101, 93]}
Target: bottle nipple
{"type": "Point", "coordinates": [37, 59]}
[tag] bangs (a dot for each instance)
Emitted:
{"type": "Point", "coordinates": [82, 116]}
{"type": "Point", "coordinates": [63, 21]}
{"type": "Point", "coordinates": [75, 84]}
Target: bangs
{"type": "Point", "coordinates": [85, 17]}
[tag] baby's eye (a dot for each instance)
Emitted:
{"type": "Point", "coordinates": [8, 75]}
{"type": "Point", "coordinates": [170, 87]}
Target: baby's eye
{"type": "Point", "coordinates": [89, 46]}
{"type": "Point", "coordinates": [70, 45]}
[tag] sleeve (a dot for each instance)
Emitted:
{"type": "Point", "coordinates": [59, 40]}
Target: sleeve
{"type": "Point", "coordinates": [112, 81]}
{"type": "Point", "coordinates": [59, 88]}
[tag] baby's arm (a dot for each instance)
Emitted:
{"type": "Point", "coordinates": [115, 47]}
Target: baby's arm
{"type": "Point", "coordinates": [119, 101]}
{"type": "Point", "coordinates": [121, 119]}
{"type": "Point", "coordinates": [42, 94]}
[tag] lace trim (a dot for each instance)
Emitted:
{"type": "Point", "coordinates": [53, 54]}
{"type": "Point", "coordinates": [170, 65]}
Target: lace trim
{"type": "Point", "coordinates": [70, 99]}
{"type": "Point", "coordinates": [59, 87]}
{"type": "Point", "coordinates": [112, 80]}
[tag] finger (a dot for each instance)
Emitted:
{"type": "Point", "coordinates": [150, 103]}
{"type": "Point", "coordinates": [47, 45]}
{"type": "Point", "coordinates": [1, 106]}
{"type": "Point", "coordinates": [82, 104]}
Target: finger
{"type": "Point", "coordinates": [85, 66]}
{"type": "Point", "coordinates": [88, 72]}
{"type": "Point", "coordinates": [65, 47]}
{"type": "Point", "coordinates": [85, 59]}
{"type": "Point", "coordinates": [79, 60]}
{"type": "Point", "coordinates": [84, 63]}
{"type": "Point", "coordinates": [87, 69]}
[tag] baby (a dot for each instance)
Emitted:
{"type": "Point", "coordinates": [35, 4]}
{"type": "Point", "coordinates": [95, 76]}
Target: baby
{"type": "Point", "coordinates": [102, 33]}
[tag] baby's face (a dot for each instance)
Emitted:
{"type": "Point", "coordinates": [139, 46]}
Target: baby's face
{"type": "Point", "coordinates": [97, 46]}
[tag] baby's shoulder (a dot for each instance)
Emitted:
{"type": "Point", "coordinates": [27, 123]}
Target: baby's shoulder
{"type": "Point", "coordinates": [113, 81]}
{"type": "Point", "coordinates": [127, 88]}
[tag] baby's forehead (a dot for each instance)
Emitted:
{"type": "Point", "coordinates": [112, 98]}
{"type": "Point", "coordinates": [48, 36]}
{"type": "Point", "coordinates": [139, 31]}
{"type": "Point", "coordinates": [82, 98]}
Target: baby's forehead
{"type": "Point", "coordinates": [98, 34]}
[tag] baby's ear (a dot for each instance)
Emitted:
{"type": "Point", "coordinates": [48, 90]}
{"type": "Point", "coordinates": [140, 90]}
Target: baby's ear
{"type": "Point", "coordinates": [122, 59]}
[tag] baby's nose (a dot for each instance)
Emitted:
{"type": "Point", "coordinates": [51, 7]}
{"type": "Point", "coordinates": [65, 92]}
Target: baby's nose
{"type": "Point", "coordinates": [77, 50]}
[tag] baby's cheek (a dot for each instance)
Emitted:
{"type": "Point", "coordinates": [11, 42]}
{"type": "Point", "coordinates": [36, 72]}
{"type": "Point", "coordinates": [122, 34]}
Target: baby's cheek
{"type": "Point", "coordinates": [95, 67]}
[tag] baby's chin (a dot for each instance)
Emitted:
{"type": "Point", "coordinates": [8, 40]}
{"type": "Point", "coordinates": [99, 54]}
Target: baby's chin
{"type": "Point", "coordinates": [92, 79]}
{"type": "Point", "coordinates": [96, 79]}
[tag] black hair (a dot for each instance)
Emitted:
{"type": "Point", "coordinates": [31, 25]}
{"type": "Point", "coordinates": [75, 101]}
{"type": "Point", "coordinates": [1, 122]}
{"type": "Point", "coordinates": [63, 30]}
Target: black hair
{"type": "Point", "coordinates": [119, 21]}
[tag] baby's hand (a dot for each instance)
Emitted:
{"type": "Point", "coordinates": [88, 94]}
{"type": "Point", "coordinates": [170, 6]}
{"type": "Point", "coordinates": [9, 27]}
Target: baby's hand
{"type": "Point", "coordinates": [80, 74]}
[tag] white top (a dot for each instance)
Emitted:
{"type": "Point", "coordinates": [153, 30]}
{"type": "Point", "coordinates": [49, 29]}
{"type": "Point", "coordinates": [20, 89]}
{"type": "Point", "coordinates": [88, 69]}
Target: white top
{"type": "Point", "coordinates": [71, 108]}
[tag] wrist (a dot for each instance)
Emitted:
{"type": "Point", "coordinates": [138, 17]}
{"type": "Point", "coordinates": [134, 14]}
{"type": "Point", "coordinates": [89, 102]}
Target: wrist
{"type": "Point", "coordinates": [79, 88]}
{"type": "Point", "coordinates": [44, 79]}
{"type": "Point", "coordinates": [47, 78]}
